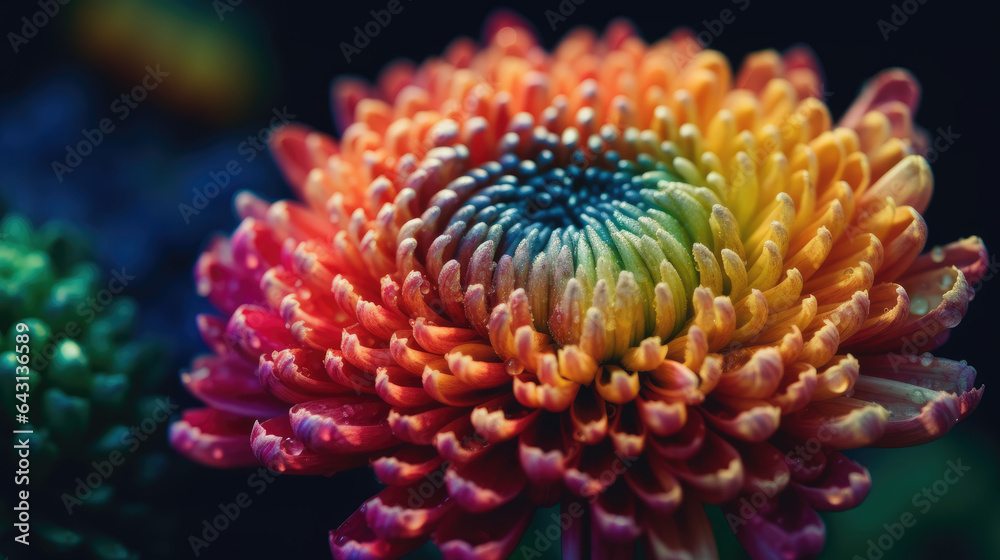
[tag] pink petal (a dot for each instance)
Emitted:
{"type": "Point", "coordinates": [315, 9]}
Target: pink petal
{"type": "Point", "coordinates": [276, 448]}
{"type": "Point", "coordinates": [843, 485]}
{"type": "Point", "coordinates": [486, 536]}
{"type": "Point", "coordinates": [343, 424]}
{"type": "Point", "coordinates": [354, 540]}
{"type": "Point", "coordinates": [213, 438]}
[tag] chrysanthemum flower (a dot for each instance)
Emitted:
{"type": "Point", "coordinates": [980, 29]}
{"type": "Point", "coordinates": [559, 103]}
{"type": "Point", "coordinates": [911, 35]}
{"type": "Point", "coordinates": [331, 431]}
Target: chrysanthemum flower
{"type": "Point", "coordinates": [615, 276]}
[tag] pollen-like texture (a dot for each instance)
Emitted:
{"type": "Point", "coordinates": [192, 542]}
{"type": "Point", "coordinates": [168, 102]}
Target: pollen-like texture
{"type": "Point", "coordinates": [617, 276]}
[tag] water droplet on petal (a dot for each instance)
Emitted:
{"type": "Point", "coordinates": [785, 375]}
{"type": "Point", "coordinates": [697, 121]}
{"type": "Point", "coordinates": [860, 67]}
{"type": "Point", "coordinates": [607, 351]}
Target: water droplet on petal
{"type": "Point", "coordinates": [918, 306]}
{"type": "Point", "coordinates": [946, 282]}
{"type": "Point", "coordinates": [513, 367]}
{"type": "Point", "coordinates": [291, 446]}
{"type": "Point", "coordinates": [926, 360]}
{"type": "Point", "coordinates": [937, 254]}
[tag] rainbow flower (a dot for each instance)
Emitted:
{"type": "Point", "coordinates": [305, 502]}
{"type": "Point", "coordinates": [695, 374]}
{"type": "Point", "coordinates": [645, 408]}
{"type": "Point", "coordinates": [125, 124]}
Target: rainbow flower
{"type": "Point", "coordinates": [617, 276]}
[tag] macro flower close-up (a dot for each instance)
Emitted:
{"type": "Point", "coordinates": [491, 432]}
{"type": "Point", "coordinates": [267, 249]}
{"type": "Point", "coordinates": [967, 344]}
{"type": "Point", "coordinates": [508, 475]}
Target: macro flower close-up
{"type": "Point", "coordinates": [621, 278]}
{"type": "Point", "coordinates": [530, 280]}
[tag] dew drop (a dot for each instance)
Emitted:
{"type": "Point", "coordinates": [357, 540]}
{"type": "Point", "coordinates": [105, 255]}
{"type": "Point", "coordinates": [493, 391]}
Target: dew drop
{"type": "Point", "coordinates": [937, 254]}
{"type": "Point", "coordinates": [918, 306]}
{"type": "Point", "coordinates": [926, 360]}
{"type": "Point", "coordinates": [513, 367]}
{"type": "Point", "coordinates": [946, 282]}
{"type": "Point", "coordinates": [848, 271]}
{"type": "Point", "coordinates": [291, 446]}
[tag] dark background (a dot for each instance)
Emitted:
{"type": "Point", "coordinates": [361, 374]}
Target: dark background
{"type": "Point", "coordinates": [228, 75]}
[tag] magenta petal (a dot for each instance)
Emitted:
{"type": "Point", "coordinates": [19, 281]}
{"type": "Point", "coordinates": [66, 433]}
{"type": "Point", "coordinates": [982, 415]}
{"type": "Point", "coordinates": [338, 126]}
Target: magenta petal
{"type": "Point", "coordinates": [225, 283]}
{"type": "Point", "coordinates": [686, 535]}
{"type": "Point", "coordinates": [715, 473]}
{"type": "Point", "coordinates": [276, 448]}
{"type": "Point", "coordinates": [546, 449]}
{"type": "Point", "coordinates": [487, 536]}
{"type": "Point", "coordinates": [406, 465]}
{"type": "Point", "coordinates": [592, 471]}
{"type": "Point", "coordinates": [213, 438]}
{"type": "Point", "coordinates": [766, 470]}
{"type": "Point", "coordinates": [343, 424]}
{"type": "Point", "coordinates": [212, 329]}
{"type": "Point", "coordinates": [969, 255]}
{"type": "Point", "coordinates": [458, 441]}
{"type": "Point", "coordinates": [613, 516]}
{"type": "Point", "coordinates": [254, 331]}
{"type": "Point", "coordinates": [805, 459]}
{"type": "Point", "coordinates": [399, 387]}
{"type": "Point", "coordinates": [354, 540]}
{"type": "Point", "coordinates": [843, 485]}
{"type": "Point", "coordinates": [229, 383]}
{"type": "Point", "coordinates": [786, 527]}
{"type": "Point", "coordinates": [917, 415]}
{"type": "Point", "coordinates": [682, 445]}
{"type": "Point", "coordinates": [400, 512]}
{"type": "Point", "coordinates": [889, 86]}
{"type": "Point", "coordinates": [658, 490]}
{"type": "Point", "coordinates": [488, 481]}
{"type": "Point", "coordinates": [297, 375]}
{"type": "Point", "coordinates": [420, 425]}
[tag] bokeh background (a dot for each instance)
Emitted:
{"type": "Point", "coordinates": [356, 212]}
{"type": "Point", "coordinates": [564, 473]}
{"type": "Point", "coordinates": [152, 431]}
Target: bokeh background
{"type": "Point", "coordinates": [231, 67]}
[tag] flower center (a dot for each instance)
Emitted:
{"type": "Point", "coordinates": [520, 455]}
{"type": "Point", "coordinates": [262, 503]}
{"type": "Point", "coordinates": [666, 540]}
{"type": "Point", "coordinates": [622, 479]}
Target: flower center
{"type": "Point", "coordinates": [598, 224]}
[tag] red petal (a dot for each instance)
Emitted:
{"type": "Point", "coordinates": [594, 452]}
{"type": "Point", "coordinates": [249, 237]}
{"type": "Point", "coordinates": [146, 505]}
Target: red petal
{"type": "Point", "coordinates": [275, 447]}
{"type": "Point", "coordinates": [419, 425]}
{"type": "Point", "coordinates": [487, 536]}
{"type": "Point", "coordinates": [399, 387]}
{"type": "Point", "coordinates": [686, 535]}
{"type": "Point", "coordinates": [354, 540]}
{"type": "Point", "coordinates": [229, 383]}
{"type": "Point", "coordinates": [406, 465]}
{"type": "Point", "coordinates": [213, 438]}
{"type": "Point", "coordinates": [844, 485]}
{"type": "Point", "coordinates": [715, 473]}
{"type": "Point", "coordinates": [546, 449]}
{"type": "Point", "coordinates": [784, 527]}
{"type": "Point", "coordinates": [407, 512]}
{"type": "Point", "coordinates": [838, 423]}
{"type": "Point", "coordinates": [343, 424]}
{"type": "Point", "coordinates": [488, 481]}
